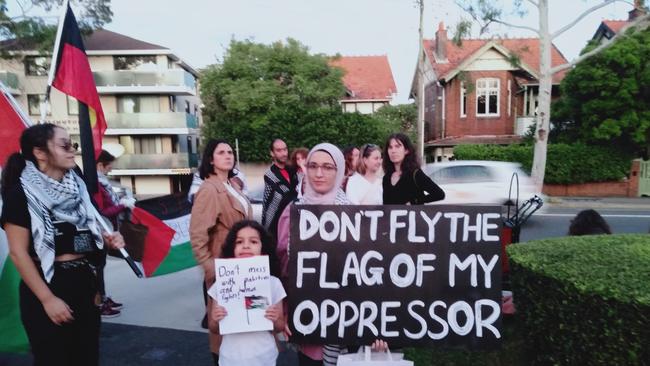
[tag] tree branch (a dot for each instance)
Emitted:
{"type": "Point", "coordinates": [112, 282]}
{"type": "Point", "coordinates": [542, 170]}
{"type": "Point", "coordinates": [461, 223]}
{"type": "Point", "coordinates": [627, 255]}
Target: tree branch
{"type": "Point", "coordinates": [534, 2]}
{"type": "Point", "coordinates": [584, 14]}
{"type": "Point", "coordinates": [604, 45]}
{"type": "Point", "coordinates": [536, 31]}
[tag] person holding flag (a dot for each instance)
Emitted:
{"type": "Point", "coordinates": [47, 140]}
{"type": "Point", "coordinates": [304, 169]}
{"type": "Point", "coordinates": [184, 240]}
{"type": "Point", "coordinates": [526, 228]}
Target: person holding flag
{"type": "Point", "coordinates": [53, 231]}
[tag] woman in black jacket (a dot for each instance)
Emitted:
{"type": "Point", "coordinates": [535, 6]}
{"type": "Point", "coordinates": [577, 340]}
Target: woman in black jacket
{"type": "Point", "coordinates": [404, 182]}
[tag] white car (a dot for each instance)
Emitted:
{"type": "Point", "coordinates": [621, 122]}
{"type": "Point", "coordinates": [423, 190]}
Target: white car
{"type": "Point", "coordinates": [256, 197]}
{"type": "Point", "coordinates": [482, 182]}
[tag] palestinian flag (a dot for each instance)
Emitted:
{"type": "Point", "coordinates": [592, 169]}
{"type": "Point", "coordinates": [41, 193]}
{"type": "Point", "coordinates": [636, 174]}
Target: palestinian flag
{"type": "Point", "coordinates": [70, 73]}
{"type": "Point", "coordinates": [12, 335]}
{"type": "Point", "coordinates": [164, 253]}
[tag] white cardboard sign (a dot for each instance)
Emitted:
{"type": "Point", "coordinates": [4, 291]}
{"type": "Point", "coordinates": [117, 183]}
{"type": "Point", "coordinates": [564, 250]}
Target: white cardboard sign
{"type": "Point", "coordinates": [243, 287]}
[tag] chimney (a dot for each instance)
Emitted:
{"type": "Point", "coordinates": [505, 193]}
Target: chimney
{"type": "Point", "coordinates": [441, 42]}
{"type": "Point", "coordinates": [639, 9]}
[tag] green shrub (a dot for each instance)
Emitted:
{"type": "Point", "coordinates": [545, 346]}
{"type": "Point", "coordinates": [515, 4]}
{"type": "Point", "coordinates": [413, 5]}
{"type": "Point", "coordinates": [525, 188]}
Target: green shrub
{"type": "Point", "coordinates": [565, 164]}
{"type": "Point", "coordinates": [584, 300]}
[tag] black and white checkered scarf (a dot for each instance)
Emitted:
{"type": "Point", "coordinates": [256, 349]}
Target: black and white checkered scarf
{"type": "Point", "coordinates": [49, 200]}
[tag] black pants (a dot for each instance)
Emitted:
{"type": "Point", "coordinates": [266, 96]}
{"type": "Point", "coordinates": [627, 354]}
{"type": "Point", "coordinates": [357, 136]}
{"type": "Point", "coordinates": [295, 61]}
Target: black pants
{"type": "Point", "coordinates": [100, 261]}
{"type": "Point", "coordinates": [71, 344]}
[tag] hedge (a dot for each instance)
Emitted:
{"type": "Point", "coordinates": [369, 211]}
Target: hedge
{"type": "Point", "coordinates": [584, 300]}
{"type": "Point", "coordinates": [565, 164]}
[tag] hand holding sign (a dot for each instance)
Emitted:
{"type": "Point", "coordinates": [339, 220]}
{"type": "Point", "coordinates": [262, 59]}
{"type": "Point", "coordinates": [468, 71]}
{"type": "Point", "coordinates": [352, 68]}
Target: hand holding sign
{"type": "Point", "coordinates": [242, 291]}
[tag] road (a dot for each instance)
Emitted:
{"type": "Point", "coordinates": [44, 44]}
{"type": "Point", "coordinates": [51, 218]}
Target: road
{"type": "Point", "coordinates": [160, 322]}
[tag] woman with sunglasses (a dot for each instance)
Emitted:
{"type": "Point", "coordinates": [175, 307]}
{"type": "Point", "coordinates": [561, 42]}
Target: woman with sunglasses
{"type": "Point", "coordinates": [404, 182]}
{"type": "Point", "coordinates": [53, 232]}
{"type": "Point", "coordinates": [365, 186]}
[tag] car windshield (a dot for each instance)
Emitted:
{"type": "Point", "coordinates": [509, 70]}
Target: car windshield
{"type": "Point", "coordinates": [462, 174]}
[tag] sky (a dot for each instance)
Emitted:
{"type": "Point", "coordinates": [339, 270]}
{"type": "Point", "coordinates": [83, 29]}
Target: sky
{"type": "Point", "coordinates": [199, 31]}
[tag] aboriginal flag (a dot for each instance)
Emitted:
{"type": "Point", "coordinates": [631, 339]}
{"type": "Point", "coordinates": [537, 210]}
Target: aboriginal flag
{"type": "Point", "coordinates": [71, 74]}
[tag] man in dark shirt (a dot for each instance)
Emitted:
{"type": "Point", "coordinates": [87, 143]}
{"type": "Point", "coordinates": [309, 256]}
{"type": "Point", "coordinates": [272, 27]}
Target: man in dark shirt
{"type": "Point", "coordinates": [280, 183]}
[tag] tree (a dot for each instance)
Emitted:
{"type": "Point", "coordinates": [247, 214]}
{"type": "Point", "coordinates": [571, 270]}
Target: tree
{"type": "Point", "coordinates": [487, 12]}
{"type": "Point", "coordinates": [401, 117]}
{"type": "Point", "coordinates": [20, 22]}
{"type": "Point", "coordinates": [604, 99]}
{"type": "Point", "coordinates": [280, 90]}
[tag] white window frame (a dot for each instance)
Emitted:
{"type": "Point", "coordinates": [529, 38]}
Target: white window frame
{"type": "Point", "coordinates": [463, 100]}
{"type": "Point", "coordinates": [486, 90]}
{"type": "Point", "coordinates": [509, 97]}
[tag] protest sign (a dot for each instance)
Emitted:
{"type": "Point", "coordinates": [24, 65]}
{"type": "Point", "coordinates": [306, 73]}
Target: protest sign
{"type": "Point", "coordinates": [410, 275]}
{"type": "Point", "coordinates": [243, 287]}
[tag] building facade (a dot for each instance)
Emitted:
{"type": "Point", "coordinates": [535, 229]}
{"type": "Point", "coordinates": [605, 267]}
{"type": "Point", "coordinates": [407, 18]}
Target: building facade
{"type": "Point", "coordinates": [481, 91]}
{"type": "Point", "coordinates": [150, 99]}
{"type": "Point", "coordinates": [368, 82]}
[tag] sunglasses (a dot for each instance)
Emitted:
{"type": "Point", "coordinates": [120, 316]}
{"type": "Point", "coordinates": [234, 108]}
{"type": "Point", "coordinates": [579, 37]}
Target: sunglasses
{"type": "Point", "coordinates": [69, 146]}
{"type": "Point", "coordinates": [366, 148]}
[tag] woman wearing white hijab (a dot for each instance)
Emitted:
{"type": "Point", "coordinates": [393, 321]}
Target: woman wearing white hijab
{"type": "Point", "coordinates": [324, 175]}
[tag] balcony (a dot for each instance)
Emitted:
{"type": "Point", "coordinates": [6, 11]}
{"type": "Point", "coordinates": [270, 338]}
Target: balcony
{"type": "Point", "coordinates": [170, 163]}
{"type": "Point", "coordinates": [163, 120]}
{"type": "Point", "coordinates": [11, 82]}
{"type": "Point", "coordinates": [176, 81]}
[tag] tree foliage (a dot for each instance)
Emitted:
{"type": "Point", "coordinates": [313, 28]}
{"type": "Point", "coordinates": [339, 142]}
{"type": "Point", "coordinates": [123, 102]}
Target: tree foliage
{"type": "Point", "coordinates": [605, 98]}
{"type": "Point", "coordinates": [20, 21]}
{"type": "Point", "coordinates": [401, 117]}
{"type": "Point", "coordinates": [260, 92]}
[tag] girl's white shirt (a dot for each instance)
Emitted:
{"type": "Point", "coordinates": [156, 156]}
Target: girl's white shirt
{"type": "Point", "coordinates": [253, 348]}
{"type": "Point", "coordinates": [360, 191]}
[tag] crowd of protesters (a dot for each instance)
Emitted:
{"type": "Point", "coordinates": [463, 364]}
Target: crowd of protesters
{"type": "Point", "coordinates": [59, 248]}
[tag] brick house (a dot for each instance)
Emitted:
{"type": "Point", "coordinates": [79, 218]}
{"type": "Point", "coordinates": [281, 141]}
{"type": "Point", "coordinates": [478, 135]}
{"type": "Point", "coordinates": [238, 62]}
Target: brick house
{"type": "Point", "coordinates": [368, 81]}
{"type": "Point", "coordinates": [609, 28]}
{"type": "Point", "coordinates": [475, 93]}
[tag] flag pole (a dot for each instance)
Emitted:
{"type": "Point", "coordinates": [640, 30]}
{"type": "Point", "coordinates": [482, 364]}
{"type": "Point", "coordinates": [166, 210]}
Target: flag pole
{"type": "Point", "coordinates": [124, 253]}
{"type": "Point", "coordinates": [87, 149]}
{"type": "Point", "coordinates": [55, 59]}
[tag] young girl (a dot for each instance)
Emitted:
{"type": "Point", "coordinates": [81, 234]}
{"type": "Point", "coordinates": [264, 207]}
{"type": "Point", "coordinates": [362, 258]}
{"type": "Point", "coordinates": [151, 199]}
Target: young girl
{"type": "Point", "coordinates": [248, 238]}
{"type": "Point", "coordinates": [364, 186]}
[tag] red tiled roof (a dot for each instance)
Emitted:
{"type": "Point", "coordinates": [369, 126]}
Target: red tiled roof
{"type": "Point", "coordinates": [526, 48]}
{"type": "Point", "coordinates": [367, 77]}
{"type": "Point", "coordinates": [615, 25]}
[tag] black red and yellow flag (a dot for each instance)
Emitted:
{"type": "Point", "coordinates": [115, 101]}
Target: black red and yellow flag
{"type": "Point", "coordinates": [72, 75]}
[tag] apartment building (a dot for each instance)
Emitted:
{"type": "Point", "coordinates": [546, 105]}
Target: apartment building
{"type": "Point", "coordinates": [150, 99]}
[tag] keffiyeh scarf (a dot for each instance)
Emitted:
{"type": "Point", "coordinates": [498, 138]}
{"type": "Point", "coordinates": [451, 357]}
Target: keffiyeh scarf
{"type": "Point", "coordinates": [49, 200]}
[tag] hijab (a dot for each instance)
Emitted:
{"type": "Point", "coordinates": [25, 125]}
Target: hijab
{"type": "Point", "coordinates": [310, 196]}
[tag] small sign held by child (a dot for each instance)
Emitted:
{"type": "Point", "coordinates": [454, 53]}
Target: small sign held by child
{"type": "Point", "coordinates": [243, 287]}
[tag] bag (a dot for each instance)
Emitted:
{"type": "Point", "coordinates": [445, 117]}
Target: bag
{"type": "Point", "coordinates": [366, 357]}
{"type": "Point", "coordinates": [134, 236]}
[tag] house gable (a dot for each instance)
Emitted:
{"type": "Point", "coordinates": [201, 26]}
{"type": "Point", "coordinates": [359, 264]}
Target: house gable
{"type": "Point", "coordinates": [491, 57]}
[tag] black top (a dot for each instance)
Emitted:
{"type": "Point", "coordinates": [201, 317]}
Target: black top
{"type": "Point", "coordinates": [68, 239]}
{"type": "Point", "coordinates": [411, 188]}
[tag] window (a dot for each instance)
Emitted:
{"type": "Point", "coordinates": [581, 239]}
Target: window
{"type": "Point", "coordinates": [172, 103]}
{"type": "Point", "coordinates": [187, 106]}
{"type": "Point", "coordinates": [138, 104]}
{"type": "Point", "coordinates": [34, 102]}
{"type": "Point", "coordinates": [134, 62]}
{"type": "Point", "coordinates": [462, 174]}
{"type": "Point", "coordinates": [73, 106]}
{"type": "Point", "coordinates": [37, 65]}
{"type": "Point", "coordinates": [487, 97]}
{"type": "Point", "coordinates": [509, 96]}
{"type": "Point", "coordinates": [463, 99]}
{"type": "Point", "coordinates": [196, 111]}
